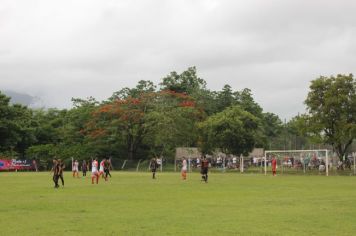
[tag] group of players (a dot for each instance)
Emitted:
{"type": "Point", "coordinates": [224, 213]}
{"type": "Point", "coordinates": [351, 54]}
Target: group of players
{"type": "Point", "coordinates": [105, 165]}
{"type": "Point", "coordinates": [204, 168]}
{"type": "Point", "coordinates": [104, 170]}
{"type": "Point", "coordinates": [96, 171]}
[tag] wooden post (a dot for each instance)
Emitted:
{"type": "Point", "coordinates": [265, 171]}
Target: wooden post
{"type": "Point", "coordinates": [138, 165]}
{"type": "Point", "coordinates": [265, 164]}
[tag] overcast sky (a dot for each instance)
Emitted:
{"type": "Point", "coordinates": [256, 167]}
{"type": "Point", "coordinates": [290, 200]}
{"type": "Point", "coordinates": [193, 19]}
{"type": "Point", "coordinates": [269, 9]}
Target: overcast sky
{"type": "Point", "coordinates": [79, 48]}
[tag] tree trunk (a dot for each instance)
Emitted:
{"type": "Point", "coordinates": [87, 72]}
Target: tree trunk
{"type": "Point", "coordinates": [131, 150]}
{"type": "Point", "coordinates": [342, 149]}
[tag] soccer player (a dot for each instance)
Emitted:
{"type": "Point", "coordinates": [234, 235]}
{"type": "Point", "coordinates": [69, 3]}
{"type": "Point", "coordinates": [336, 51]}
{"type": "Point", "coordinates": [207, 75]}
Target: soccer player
{"type": "Point", "coordinates": [94, 171]}
{"type": "Point", "coordinates": [107, 169]}
{"type": "Point", "coordinates": [101, 170]}
{"type": "Point", "coordinates": [274, 166]}
{"type": "Point", "coordinates": [153, 167]}
{"type": "Point", "coordinates": [84, 168]}
{"type": "Point", "coordinates": [75, 168]}
{"type": "Point", "coordinates": [61, 167]}
{"type": "Point", "coordinates": [184, 169]}
{"type": "Point", "coordinates": [55, 169]}
{"type": "Point", "coordinates": [204, 169]}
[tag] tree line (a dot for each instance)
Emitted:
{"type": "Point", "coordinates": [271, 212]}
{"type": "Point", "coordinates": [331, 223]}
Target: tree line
{"type": "Point", "coordinates": [152, 120]}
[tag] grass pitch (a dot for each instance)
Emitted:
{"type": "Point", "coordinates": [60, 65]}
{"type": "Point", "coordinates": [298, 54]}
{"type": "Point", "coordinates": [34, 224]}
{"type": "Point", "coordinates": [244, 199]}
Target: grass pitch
{"type": "Point", "coordinates": [134, 204]}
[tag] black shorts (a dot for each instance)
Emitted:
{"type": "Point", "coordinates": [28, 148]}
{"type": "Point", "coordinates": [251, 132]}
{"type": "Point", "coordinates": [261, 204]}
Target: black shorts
{"type": "Point", "coordinates": [204, 171]}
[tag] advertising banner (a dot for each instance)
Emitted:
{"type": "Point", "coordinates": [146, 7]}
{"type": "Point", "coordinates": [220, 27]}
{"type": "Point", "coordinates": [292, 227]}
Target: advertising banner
{"type": "Point", "coordinates": [17, 164]}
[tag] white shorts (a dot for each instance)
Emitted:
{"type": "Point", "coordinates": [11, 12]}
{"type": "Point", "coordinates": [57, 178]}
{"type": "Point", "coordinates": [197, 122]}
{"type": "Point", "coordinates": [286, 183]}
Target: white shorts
{"type": "Point", "coordinates": [75, 169]}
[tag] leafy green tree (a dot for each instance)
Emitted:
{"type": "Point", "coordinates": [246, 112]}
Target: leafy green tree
{"type": "Point", "coordinates": [44, 153]}
{"type": "Point", "coordinates": [295, 138]}
{"type": "Point", "coordinates": [122, 122]}
{"type": "Point", "coordinates": [147, 123]}
{"type": "Point", "coordinates": [16, 133]}
{"type": "Point", "coordinates": [231, 131]}
{"type": "Point", "coordinates": [331, 117]}
{"type": "Point", "coordinates": [171, 123]}
{"type": "Point", "coordinates": [272, 128]}
{"type": "Point", "coordinates": [187, 82]}
{"type": "Point", "coordinates": [25, 132]}
{"type": "Point", "coordinates": [245, 99]}
{"type": "Point", "coordinates": [143, 86]}
{"type": "Point", "coordinates": [49, 125]}
{"type": "Point", "coordinates": [225, 98]}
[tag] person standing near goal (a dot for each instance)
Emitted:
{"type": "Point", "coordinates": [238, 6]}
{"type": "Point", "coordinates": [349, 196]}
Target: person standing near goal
{"type": "Point", "coordinates": [94, 171]}
{"type": "Point", "coordinates": [274, 165]}
{"type": "Point", "coordinates": [184, 169]}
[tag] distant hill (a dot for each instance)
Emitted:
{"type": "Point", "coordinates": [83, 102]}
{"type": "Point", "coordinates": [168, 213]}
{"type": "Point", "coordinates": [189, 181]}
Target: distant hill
{"type": "Point", "coordinates": [22, 98]}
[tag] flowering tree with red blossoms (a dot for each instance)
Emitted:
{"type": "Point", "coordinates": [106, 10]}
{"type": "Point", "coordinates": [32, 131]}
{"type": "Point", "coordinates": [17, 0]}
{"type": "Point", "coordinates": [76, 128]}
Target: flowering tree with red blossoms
{"type": "Point", "coordinates": [152, 121]}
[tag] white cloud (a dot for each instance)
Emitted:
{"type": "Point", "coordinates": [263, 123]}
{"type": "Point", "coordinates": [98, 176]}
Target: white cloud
{"type": "Point", "coordinates": [63, 49]}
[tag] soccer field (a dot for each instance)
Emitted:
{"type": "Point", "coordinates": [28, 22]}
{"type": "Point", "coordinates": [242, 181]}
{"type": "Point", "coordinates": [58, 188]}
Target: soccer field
{"type": "Point", "coordinates": [134, 204]}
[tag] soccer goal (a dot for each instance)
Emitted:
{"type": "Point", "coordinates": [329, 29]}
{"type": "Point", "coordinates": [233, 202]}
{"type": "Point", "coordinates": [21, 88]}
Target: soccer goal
{"type": "Point", "coordinates": [292, 161]}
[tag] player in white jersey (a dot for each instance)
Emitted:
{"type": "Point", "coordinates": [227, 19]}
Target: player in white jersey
{"type": "Point", "coordinates": [94, 171]}
{"type": "Point", "coordinates": [184, 169]}
{"type": "Point", "coordinates": [101, 170]}
{"type": "Point", "coordinates": [75, 168]}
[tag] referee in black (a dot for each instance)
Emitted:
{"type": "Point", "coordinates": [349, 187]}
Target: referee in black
{"type": "Point", "coordinates": [204, 169]}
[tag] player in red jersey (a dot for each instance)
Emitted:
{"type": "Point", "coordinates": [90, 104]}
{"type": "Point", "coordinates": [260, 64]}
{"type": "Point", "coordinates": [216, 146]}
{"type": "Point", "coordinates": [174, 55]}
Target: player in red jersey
{"type": "Point", "coordinates": [274, 166]}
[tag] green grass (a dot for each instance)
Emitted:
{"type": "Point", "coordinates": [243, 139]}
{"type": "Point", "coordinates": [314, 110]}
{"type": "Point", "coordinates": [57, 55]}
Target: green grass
{"type": "Point", "coordinates": [134, 204]}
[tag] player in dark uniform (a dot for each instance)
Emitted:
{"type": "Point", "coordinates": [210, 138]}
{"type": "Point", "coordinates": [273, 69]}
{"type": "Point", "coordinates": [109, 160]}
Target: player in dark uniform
{"type": "Point", "coordinates": [153, 167]}
{"type": "Point", "coordinates": [55, 169]}
{"type": "Point", "coordinates": [61, 167]}
{"type": "Point", "coordinates": [204, 169]}
{"type": "Point", "coordinates": [107, 169]}
{"type": "Point", "coordinates": [84, 168]}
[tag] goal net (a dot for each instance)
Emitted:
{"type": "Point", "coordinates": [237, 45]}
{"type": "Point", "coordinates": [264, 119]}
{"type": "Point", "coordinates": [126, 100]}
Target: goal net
{"type": "Point", "coordinates": [294, 161]}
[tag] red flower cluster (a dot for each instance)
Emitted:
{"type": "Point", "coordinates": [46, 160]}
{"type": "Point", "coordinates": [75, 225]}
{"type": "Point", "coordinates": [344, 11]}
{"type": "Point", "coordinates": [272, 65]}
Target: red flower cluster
{"type": "Point", "coordinates": [105, 108]}
{"type": "Point", "coordinates": [97, 133]}
{"type": "Point", "coordinates": [175, 94]}
{"type": "Point", "coordinates": [187, 104]}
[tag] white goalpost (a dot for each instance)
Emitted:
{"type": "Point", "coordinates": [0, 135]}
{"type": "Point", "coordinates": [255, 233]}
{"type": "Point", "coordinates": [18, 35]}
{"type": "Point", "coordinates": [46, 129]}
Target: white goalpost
{"type": "Point", "coordinates": [302, 154]}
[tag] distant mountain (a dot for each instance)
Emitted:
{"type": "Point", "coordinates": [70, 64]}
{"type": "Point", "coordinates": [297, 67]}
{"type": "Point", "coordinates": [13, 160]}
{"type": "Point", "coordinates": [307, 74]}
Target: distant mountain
{"type": "Point", "coordinates": [22, 98]}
